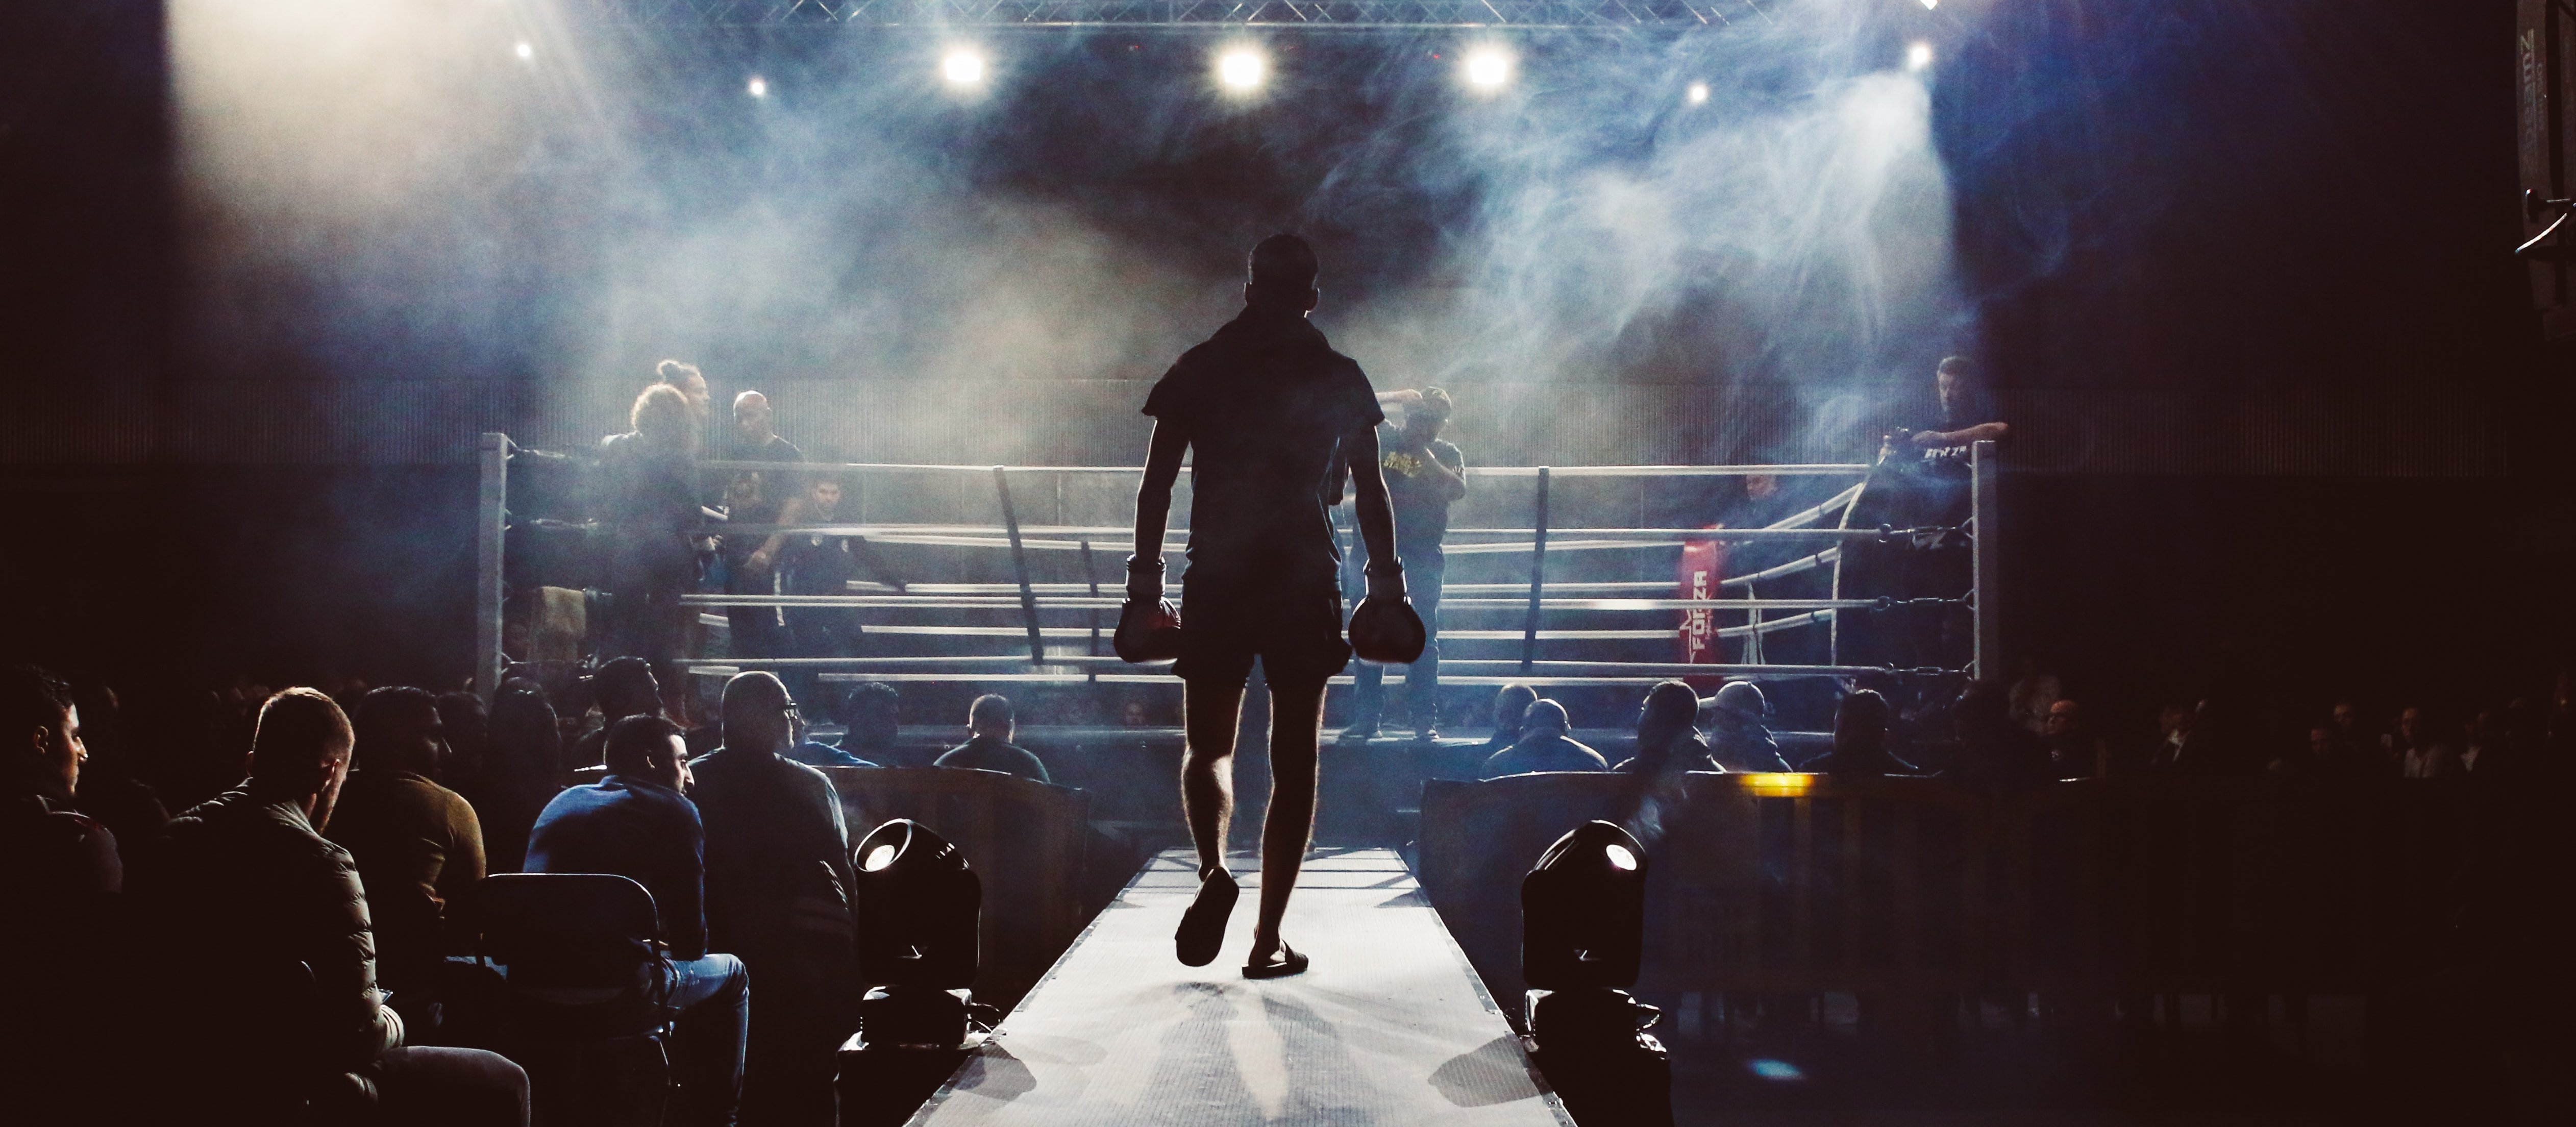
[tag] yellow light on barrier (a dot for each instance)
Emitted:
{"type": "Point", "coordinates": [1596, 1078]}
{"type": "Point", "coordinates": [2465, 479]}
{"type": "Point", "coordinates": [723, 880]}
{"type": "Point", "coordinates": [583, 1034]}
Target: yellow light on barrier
{"type": "Point", "coordinates": [1775, 784]}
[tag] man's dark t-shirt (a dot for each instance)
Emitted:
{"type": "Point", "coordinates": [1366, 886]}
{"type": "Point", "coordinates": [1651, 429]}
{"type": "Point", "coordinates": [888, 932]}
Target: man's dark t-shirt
{"type": "Point", "coordinates": [985, 753]}
{"type": "Point", "coordinates": [1266, 403]}
{"type": "Point", "coordinates": [776, 486]}
{"type": "Point", "coordinates": [1419, 495]}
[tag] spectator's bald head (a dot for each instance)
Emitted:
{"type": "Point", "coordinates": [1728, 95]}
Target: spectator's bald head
{"type": "Point", "coordinates": [751, 417]}
{"type": "Point", "coordinates": [755, 713]}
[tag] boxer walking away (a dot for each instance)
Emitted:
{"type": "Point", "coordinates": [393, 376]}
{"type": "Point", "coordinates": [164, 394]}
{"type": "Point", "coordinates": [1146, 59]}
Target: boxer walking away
{"type": "Point", "coordinates": [1270, 412]}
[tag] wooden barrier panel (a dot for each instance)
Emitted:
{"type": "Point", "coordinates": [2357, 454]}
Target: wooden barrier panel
{"type": "Point", "coordinates": [1900, 887]}
{"type": "Point", "coordinates": [1023, 838]}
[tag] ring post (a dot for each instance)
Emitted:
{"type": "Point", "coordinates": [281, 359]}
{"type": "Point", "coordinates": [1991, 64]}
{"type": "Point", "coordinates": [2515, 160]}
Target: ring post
{"type": "Point", "coordinates": [491, 526]}
{"type": "Point", "coordinates": [1092, 576]}
{"type": "Point", "coordinates": [1538, 572]}
{"type": "Point", "coordinates": [1020, 564]}
{"type": "Point", "coordinates": [1984, 546]}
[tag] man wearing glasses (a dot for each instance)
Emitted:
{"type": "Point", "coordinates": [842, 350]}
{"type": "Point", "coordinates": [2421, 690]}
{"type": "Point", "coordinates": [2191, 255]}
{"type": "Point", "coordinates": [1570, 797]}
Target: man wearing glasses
{"type": "Point", "coordinates": [778, 895]}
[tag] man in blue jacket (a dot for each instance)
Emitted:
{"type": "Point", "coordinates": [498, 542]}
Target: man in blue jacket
{"type": "Point", "coordinates": [636, 823]}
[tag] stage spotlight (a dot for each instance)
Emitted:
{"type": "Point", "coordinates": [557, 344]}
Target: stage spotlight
{"type": "Point", "coordinates": [526, 50]}
{"type": "Point", "coordinates": [1488, 68]}
{"type": "Point", "coordinates": [1241, 68]}
{"type": "Point", "coordinates": [1583, 931]}
{"type": "Point", "coordinates": [1929, 5]}
{"type": "Point", "coordinates": [1697, 94]}
{"type": "Point", "coordinates": [962, 67]}
{"type": "Point", "coordinates": [1918, 55]}
{"type": "Point", "coordinates": [758, 86]}
{"type": "Point", "coordinates": [919, 909]}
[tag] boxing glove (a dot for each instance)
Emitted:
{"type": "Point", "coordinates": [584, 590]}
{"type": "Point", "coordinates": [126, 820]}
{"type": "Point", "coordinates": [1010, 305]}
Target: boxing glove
{"type": "Point", "coordinates": [1148, 628]}
{"type": "Point", "coordinates": [1384, 627]}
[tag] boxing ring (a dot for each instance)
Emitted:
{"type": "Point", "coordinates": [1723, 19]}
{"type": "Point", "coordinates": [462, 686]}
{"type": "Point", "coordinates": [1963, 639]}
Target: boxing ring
{"type": "Point", "coordinates": [1061, 627]}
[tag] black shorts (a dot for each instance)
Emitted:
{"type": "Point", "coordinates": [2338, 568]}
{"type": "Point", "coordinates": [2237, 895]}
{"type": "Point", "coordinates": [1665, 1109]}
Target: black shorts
{"type": "Point", "coordinates": [1294, 627]}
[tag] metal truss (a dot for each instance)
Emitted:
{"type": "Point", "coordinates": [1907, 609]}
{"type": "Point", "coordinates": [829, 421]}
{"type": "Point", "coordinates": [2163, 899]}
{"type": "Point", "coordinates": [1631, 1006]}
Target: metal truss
{"type": "Point", "coordinates": [1673, 14]}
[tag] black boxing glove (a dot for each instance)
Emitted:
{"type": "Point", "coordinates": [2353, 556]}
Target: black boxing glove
{"type": "Point", "coordinates": [1384, 627]}
{"type": "Point", "coordinates": [1148, 628]}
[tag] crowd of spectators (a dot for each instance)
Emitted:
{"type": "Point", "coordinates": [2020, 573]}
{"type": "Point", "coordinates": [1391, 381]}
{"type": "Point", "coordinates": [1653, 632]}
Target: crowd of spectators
{"type": "Point", "coordinates": [1988, 733]}
{"type": "Point", "coordinates": [317, 892]}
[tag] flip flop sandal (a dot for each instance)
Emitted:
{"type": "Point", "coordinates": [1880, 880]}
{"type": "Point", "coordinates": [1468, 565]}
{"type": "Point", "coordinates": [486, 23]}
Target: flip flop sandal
{"type": "Point", "coordinates": [1287, 962]}
{"type": "Point", "coordinates": [1202, 929]}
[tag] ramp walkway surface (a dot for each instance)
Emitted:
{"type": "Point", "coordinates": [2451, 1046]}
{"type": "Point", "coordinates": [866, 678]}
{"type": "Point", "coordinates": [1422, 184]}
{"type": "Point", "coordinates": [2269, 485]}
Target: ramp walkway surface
{"type": "Point", "coordinates": [1388, 1027]}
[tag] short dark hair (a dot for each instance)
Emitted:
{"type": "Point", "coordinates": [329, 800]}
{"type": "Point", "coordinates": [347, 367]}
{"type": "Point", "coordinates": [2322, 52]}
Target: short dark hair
{"type": "Point", "coordinates": [1283, 264]}
{"type": "Point", "coordinates": [991, 708]}
{"type": "Point", "coordinates": [1670, 704]}
{"type": "Point", "coordinates": [867, 697]}
{"type": "Point", "coordinates": [633, 741]}
{"type": "Point", "coordinates": [630, 677]}
{"type": "Point", "coordinates": [385, 710]}
{"type": "Point", "coordinates": [31, 698]}
{"type": "Point", "coordinates": [1864, 710]}
{"type": "Point", "coordinates": [1959, 366]}
{"type": "Point", "coordinates": [297, 727]}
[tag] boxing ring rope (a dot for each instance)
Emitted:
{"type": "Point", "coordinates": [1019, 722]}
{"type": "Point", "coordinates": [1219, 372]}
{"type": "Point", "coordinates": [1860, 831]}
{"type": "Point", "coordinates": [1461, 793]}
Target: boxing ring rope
{"type": "Point", "coordinates": [1534, 600]}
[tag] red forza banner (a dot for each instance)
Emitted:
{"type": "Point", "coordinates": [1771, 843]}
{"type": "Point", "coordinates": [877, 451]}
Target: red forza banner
{"type": "Point", "coordinates": [1703, 565]}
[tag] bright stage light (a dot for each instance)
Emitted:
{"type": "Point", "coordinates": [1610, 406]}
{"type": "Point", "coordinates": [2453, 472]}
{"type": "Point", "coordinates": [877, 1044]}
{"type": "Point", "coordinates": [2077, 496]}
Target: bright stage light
{"type": "Point", "coordinates": [1697, 93]}
{"type": "Point", "coordinates": [1929, 5]}
{"type": "Point", "coordinates": [526, 50]}
{"type": "Point", "coordinates": [1918, 55]}
{"type": "Point", "coordinates": [1488, 68]}
{"type": "Point", "coordinates": [1241, 68]}
{"type": "Point", "coordinates": [962, 67]}
{"type": "Point", "coordinates": [758, 86]}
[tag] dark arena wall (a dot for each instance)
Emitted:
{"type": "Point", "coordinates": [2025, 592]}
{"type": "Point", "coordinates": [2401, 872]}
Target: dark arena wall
{"type": "Point", "coordinates": [2236, 272]}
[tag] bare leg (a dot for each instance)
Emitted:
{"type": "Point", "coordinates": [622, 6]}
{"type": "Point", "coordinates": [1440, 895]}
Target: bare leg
{"type": "Point", "coordinates": [1296, 718]}
{"type": "Point", "coordinates": [1209, 713]}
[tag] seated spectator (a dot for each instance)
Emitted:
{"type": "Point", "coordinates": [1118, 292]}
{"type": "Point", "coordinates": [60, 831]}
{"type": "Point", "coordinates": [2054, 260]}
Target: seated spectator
{"type": "Point", "coordinates": [2032, 694]}
{"type": "Point", "coordinates": [635, 823]}
{"type": "Point", "coordinates": [418, 845]}
{"type": "Point", "coordinates": [624, 687]}
{"type": "Point", "coordinates": [988, 745]}
{"type": "Point", "coordinates": [1668, 734]}
{"type": "Point", "coordinates": [1993, 751]}
{"type": "Point", "coordinates": [871, 717]}
{"type": "Point", "coordinates": [815, 753]}
{"type": "Point", "coordinates": [1543, 746]}
{"type": "Point", "coordinates": [52, 857]}
{"type": "Point", "coordinates": [1740, 732]}
{"type": "Point", "coordinates": [2483, 753]}
{"type": "Point", "coordinates": [2322, 756]}
{"type": "Point", "coordinates": [59, 872]}
{"type": "Point", "coordinates": [108, 790]}
{"type": "Point", "coordinates": [2420, 750]}
{"type": "Point", "coordinates": [2074, 752]}
{"type": "Point", "coordinates": [249, 882]}
{"type": "Point", "coordinates": [522, 766]}
{"type": "Point", "coordinates": [1860, 740]}
{"type": "Point", "coordinates": [1510, 705]}
{"type": "Point", "coordinates": [2177, 751]}
{"type": "Point", "coordinates": [778, 896]}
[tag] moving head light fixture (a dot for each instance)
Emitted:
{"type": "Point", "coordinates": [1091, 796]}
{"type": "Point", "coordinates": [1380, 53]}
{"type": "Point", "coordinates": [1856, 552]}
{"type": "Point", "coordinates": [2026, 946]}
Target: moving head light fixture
{"type": "Point", "coordinates": [920, 909]}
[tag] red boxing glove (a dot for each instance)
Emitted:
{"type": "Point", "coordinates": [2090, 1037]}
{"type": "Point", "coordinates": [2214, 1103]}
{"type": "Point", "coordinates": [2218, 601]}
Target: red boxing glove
{"type": "Point", "coordinates": [1148, 632]}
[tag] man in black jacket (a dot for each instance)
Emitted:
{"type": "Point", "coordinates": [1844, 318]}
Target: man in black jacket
{"type": "Point", "coordinates": [778, 881]}
{"type": "Point", "coordinates": [250, 890]}
{"type": "Point", "coordinates": [635, 823]}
